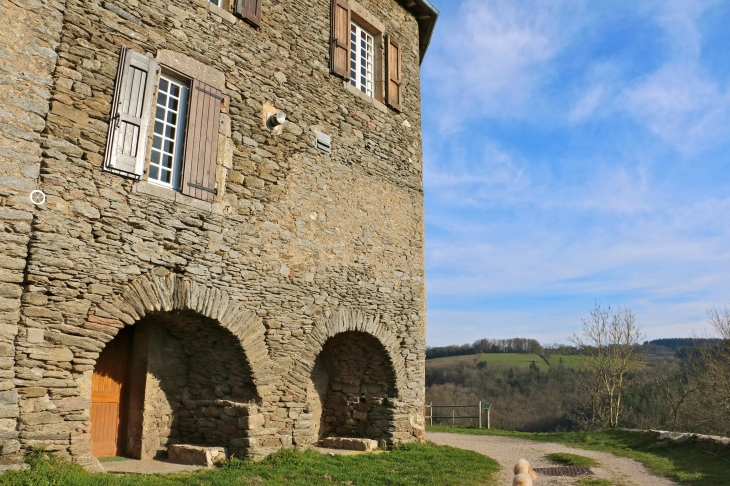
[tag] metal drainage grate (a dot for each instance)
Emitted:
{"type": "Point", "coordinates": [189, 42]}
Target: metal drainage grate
{"type": "Point", "coordinates": [571, 471]}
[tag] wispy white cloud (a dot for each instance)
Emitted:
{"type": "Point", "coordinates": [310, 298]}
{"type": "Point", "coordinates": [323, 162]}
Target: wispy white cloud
{"type": "Point", "coordinates": [492, 55]}
{"type": "Point", "coordinates": [687, 110]}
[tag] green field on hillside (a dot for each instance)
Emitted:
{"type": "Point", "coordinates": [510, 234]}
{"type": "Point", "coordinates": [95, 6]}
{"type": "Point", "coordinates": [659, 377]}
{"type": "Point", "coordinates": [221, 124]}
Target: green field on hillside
{"type": "Point", "coordinates": [515, 360]}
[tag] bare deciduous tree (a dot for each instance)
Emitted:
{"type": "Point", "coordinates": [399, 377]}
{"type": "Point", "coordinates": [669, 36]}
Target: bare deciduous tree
{"type": "Point", "coordinates": [677, 390]}
{"type": "Point", "coordinates": [609, 342]}
{"type": "Point", "coordinates": [713, 366]}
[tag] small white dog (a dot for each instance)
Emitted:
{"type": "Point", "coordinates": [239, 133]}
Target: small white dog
{"type": "Point", "coordinates": [524, 475]}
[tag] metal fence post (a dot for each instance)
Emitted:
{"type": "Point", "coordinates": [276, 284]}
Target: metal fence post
{"type": "Point", "coordinates": [431, 407]}
{"type": "Point", "coordinates": [452, 417]}
{"type": "Point", "coordinates": [480, 414]}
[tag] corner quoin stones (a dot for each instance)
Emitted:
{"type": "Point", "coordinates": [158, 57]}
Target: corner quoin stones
{"type": "Point", "coordinates": [298, 246]}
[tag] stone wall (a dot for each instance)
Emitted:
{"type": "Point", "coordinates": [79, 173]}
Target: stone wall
{"type": "Point", "coordinates": [28, 42]}
{"type": "Point", "coordinates": [299, 246]}
{"type": "Point", "coordinates": [360, 380]}
{"type": "Point", "coordinates": [167, 374]}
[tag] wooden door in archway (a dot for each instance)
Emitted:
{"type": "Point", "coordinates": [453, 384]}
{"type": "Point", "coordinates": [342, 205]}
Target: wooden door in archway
{"type": "Point", "coordinates": [109, 385]}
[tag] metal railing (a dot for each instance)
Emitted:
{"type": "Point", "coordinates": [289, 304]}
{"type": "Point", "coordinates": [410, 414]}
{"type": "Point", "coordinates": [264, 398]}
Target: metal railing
{"type": "Point", "coordinates": [429, 409]}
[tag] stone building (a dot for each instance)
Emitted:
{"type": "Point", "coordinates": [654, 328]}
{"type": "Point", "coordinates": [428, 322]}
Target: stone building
{"type": "Point", "coordinates": [212, 230]}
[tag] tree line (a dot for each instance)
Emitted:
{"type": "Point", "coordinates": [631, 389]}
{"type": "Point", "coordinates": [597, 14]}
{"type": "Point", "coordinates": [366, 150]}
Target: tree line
{"type": "Point", "coordinates": [514, 345]}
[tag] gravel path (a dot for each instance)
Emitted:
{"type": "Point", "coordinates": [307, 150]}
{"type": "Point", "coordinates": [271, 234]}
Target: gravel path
{"type": "Point", "coordinates": [506, 451]}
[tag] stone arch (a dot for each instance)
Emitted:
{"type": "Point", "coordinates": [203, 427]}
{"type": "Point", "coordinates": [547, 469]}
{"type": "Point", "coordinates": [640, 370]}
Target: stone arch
{"type": "Point", "coordinates": [345, 320]}
{"type": "Point", "coordinates": [162, 291]}
{"type": "Point", "coordinates": [329, 327]}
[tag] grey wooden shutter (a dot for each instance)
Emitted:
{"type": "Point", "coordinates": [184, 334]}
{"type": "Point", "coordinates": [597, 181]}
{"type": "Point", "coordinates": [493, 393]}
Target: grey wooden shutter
{"type": "Point", "coordinates": [201, 142]}
{"type": "Point", "coordinates": [131, 105]}
{"type": "Point", "coordinates": [393, 87]}
{"type": "Point", "coordinates": [340, 39]}
{"type": "Point", "coordinates": [249, 10]}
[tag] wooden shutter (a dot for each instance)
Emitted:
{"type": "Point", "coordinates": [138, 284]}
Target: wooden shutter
{"type": "Point", "coordinates": [393, 87]}
{"type": "Point", "coordinates": [201, 142]}
{"type": "Point", "coordinates": [340, 39]}
{"type": "Point", "coordinates": [127, 139]}
{"type": "Point", "coordinates": [249, 10]}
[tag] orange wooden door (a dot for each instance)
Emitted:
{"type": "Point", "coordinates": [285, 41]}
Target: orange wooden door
{"type": "Point", "coordinates": [108, 393]}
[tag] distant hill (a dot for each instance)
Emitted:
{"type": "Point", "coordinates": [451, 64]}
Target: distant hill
{"type": "Point", "coordinates": [676, 343]}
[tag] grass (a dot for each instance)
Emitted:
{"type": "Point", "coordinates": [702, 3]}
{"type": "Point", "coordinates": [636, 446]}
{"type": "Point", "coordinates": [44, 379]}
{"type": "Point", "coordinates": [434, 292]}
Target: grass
{"type": "Point", "coordinates": [113, 459]}
{"type": "Point", "coordinates": [412, 464]}
{"type": "Point", "coordinates": [514, 360]}
{"type": "Point", "coordinates": [594, 482]}
{"type": "Point", "coordinates": [684, 463]}
{"type": "Point", "coordinates": [572, 459]}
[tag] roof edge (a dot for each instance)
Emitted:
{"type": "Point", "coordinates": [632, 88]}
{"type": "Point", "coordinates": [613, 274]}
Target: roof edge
{"type": "Point", "coordinates": [426, 15]}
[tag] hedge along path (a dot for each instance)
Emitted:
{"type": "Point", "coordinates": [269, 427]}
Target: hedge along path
{"type": "Point", "coordinates": [507, 450]}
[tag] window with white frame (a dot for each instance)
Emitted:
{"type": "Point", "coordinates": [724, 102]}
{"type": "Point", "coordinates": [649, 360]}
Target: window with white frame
{"type": "Point", "coordinates": [217, 3]}
{"type": "Point", "coordinates": [167, 144]}
{"type": "Point", "coordinates": [186, 118]}
{"type": "Point", "coordinates": [362, 60]}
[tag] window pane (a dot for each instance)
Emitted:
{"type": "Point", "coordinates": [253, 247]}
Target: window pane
{"type": "Point", "coordinates": [170, 113]}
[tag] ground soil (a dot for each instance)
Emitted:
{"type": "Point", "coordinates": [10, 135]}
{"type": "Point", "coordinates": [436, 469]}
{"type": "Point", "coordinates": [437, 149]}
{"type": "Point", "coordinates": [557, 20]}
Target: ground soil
{"type": "Point", "coordinates": [618, 470]}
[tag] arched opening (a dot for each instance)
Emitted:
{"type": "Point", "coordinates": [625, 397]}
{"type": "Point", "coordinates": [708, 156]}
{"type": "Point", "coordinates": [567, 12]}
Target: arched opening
{"type": "Point", "coordinates": [187, 381]}
{"type": "Point", "coordinates": [351, 383]}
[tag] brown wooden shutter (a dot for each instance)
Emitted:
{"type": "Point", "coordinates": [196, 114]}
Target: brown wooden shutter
{"type": "Point", "coordinates": [133, 92]}
{"type": "Point", "coordinates": [340, 39]}
{"type": "Point", "coordinates": [393, 88]}
{"type": "Point", "coordinates": [249, 10]}
{"type": "Point", "coordinates": [201, 142]}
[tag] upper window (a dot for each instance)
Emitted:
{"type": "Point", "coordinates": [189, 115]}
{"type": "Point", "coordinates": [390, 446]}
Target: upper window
{"type": "Point", "coordinates": [217, 3]}
{"type": "Point", "coordinates": [363, 55]}
{"type": "Point", "coordinates": [168, 140]}
{"type": "Point", "coordinates": [362, 60]}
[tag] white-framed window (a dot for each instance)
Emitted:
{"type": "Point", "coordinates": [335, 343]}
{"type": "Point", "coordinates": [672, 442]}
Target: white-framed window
{"type": "Point", "coordinates": [362, 60]}
{"type": "Point", "coordinates": [217, 3]}
{"type": "Point", "coordinates": [169, 133]}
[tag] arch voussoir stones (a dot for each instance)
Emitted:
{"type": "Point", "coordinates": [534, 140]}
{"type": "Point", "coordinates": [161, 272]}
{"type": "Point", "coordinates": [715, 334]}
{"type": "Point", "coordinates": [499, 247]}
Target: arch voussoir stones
{"type": "Point", "coordinates": [164, 291]}
{"type": "Point", "coordinates": [345, 320]}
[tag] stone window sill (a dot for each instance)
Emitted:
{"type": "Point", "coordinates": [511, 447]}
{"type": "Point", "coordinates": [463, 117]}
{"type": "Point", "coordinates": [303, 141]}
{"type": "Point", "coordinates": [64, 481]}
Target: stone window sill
{"type": "Point", "coordinates": [216, 10]}
{"type": "Point", "coordinates": [367, 99]}
{"type": "Point", "coordinates": [148, 189]}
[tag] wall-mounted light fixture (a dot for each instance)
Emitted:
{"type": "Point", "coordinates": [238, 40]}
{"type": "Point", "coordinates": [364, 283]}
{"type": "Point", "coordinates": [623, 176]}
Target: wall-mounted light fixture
{"type": "Point", "coordinates": [275, 119]}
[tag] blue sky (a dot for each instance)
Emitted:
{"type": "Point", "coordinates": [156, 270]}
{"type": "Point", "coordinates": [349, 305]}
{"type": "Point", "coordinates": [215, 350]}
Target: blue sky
{"type": "Point", "coordinates": [576, 152]}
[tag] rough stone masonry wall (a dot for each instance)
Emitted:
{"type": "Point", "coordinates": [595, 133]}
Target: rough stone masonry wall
{"type": "Point", "coordinates": [196, 370]}
{"type": "Point", "coordinates": [359, 385]}
{"type": "Point", "coordinates": [28, 40]}
{"type": "Point", "coordinates": [167, 376]}
{"type": "Point", "coordinates": [309, 243]}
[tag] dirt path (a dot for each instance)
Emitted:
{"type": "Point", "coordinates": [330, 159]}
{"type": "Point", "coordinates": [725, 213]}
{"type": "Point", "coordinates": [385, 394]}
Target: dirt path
{"type": "Point", "coordinates": [506, 451]}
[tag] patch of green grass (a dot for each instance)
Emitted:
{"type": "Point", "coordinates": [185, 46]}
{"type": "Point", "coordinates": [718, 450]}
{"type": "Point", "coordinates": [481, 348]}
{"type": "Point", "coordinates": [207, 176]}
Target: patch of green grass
{"type": "Point", "coordinates": [113, 459]}
{"type": "Point", "coordinates": [684, 463]}
{"type": "Point", "coordinates": [572, 459]}
{"type": "Point", "coordinates": [409, 465]}
{"type": "Point", "coordinates": [595, 482]}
